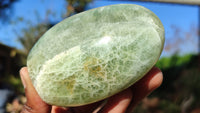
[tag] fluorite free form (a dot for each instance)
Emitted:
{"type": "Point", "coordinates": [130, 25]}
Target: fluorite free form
{"type": "Point", "coordinates": [95, 54]}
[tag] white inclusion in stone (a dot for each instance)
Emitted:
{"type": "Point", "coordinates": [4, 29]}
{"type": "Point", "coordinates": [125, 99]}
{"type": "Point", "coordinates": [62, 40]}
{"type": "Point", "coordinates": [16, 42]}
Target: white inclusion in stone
{"type": "Point", "coordinates": [104, 40]}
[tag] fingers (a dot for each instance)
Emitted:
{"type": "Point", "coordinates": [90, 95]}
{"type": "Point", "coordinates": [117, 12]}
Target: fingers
{"type": "Point", "coordinates": [86, 108]}
{"type": "Point", "coordinates": [34, 103]}
{"type": "Point", "coordinates": [118, 103]}
{"type": "Point", "coordinates": [56, 109]}
{"type": "Point", "coordinates": [80, 109]}
{"type": "Point", "coordinates": [122, 102]}
{"type": "Point", "coordinates": [145, 86]}
{"type": "Point", "coordinates": [126, 100]}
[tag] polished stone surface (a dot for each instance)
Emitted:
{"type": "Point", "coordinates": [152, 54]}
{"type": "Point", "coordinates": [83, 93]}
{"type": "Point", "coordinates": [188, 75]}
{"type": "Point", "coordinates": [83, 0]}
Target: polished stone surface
{"type": "Point", "coordinates": [95, 54]}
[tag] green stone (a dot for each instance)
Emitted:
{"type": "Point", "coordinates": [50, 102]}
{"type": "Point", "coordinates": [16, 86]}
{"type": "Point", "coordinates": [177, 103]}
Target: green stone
{"type": "Point", "coordinates": [95, 54]}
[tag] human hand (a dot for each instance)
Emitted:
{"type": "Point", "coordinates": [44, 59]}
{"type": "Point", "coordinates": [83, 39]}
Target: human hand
{"type": "Point", "coordinates": [122, 102]}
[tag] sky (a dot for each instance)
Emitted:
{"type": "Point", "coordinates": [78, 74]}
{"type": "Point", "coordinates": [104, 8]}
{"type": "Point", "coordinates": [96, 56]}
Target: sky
{"type": "Point", "coordinates": [181, 16]}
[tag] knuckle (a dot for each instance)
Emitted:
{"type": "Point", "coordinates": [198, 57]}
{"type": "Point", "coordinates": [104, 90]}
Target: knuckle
{"type": "Point", "coordinates": [27, 109]}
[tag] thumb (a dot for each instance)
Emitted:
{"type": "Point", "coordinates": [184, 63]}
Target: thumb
{"type": "Point", "coordinates": [34, 103]}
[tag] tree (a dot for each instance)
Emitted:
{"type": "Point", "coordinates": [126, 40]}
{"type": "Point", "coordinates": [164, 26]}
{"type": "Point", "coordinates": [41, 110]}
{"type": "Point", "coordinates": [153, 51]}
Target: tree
{"type": "Point", "coordinates": [76, 6]}
{"type": "Point", "coordinates": [6, 9]}
{"type": "Point", "coordinates": [31, 34]}
{"type": "Point", "coordinates": [182, 41]}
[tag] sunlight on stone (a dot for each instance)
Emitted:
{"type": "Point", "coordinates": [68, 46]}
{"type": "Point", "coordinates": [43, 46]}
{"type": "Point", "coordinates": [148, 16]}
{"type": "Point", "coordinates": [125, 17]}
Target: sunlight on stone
{"type": "Point", "coordinates": [104, 40]}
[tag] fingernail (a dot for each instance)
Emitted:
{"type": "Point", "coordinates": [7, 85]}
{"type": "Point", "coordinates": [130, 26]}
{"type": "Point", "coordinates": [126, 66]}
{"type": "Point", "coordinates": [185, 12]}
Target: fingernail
{"type": "Point", "coordinates": [156, 80]}
{"type": "Point", "coordinates": [22, 77]}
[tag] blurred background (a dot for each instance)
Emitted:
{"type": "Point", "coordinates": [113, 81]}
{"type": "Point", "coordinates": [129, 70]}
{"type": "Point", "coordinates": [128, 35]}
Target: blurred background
{"type": "Point", "coordinates": [22, 23]}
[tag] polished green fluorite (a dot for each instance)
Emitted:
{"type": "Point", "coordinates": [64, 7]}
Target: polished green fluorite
{"type": "Point", "coordinates": [95, 54]}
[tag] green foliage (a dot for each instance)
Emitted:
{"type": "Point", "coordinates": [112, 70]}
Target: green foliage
{"type": "Point", "coordinates": [180, 88]}
{"type": "Point", "coordinates": [173, 61]}
{"type": "Point", "coordinates": [140, 109]}
{"type": "Point", "coordinates": [169, 107]}
{"type": "Point", "coordinates": [13, 82]}
{"type": "Point", "coordinates": [189, 84]}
